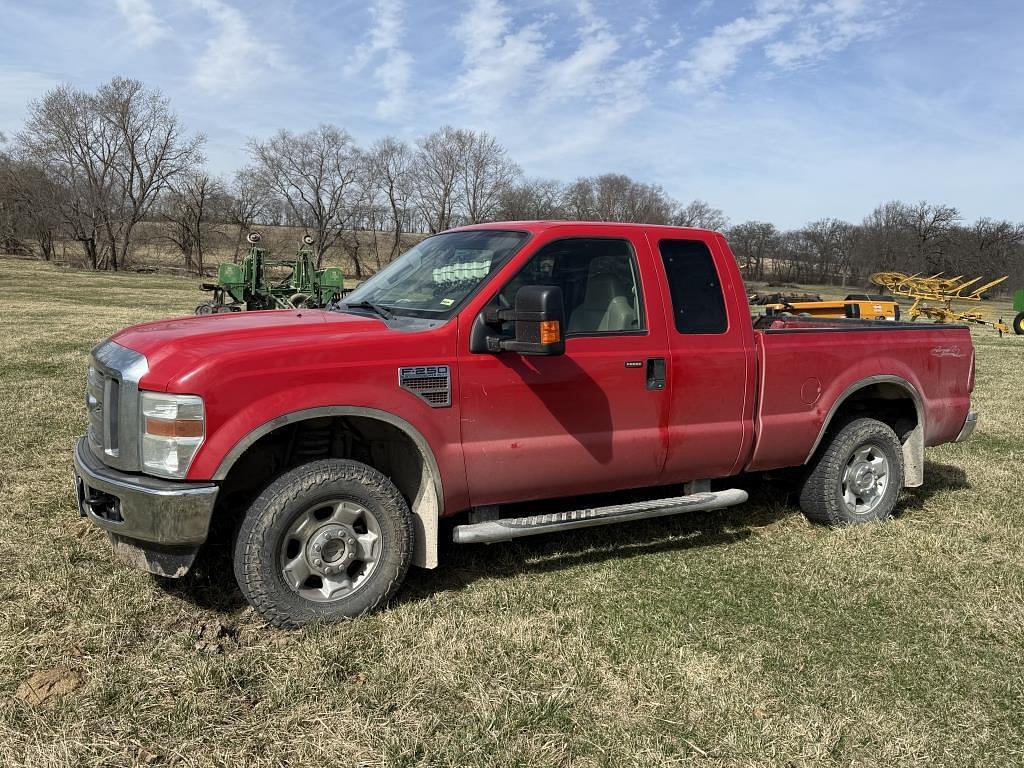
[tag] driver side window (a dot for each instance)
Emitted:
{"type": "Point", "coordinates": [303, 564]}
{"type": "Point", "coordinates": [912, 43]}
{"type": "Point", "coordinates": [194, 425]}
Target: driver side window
{"type": "Point", "coordinates": [599, 282]}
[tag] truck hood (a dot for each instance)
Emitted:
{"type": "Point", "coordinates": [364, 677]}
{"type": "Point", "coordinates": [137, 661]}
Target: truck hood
{"type": "Point", "coordinates": [187, 344]}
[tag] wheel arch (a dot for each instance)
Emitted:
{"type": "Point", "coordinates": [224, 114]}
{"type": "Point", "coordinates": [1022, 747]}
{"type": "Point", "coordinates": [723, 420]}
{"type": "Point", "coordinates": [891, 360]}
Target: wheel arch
{"type": "Point", "coordinates": [891, 390]}
{"type": "Point", "coordinates": [424, 492]}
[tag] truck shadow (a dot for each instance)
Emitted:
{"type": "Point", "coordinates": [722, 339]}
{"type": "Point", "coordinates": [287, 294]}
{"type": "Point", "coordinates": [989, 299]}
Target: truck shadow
{"type": "Point", "coordinates": [772, 500]}
{"type": "Point", "coordinates": [210, 584]}
{"type": "Point", "coordinates": [937, 477]}
{"type": "Point", "coordinates": [571, 395]}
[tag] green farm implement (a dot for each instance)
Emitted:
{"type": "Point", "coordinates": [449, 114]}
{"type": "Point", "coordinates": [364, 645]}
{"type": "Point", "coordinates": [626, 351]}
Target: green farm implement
{"type": "Point", "coordinates": [1018, 307]}
{"type": "Point", "coordinates": [259, 282]}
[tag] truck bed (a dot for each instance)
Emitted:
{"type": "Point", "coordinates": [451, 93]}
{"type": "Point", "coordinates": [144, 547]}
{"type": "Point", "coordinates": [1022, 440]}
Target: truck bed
{"type": "Point", "coordinates": [807, 365]}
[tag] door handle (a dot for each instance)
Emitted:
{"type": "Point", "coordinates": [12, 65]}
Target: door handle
{"type": "Point", "coordinates": [655, 373]}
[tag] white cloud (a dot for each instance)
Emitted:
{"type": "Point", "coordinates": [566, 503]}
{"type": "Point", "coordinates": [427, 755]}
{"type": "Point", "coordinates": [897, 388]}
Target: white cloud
{"type": "Point", "coordinates": [791, 32]}
{"type": "Point", "coordinates": [716, 57]}
{"type": "Point", "coordinates": [394, 72]}
{"type": "Point", "coordinates": [235, 58]}
{"type": "Point", "coordinates": [498, 59]}
{"type": "Point", "coordinates": [144, 25]}
{"type": "Point", "coordinates": [829, 27]}
{"type": "Point", "coordinates": [551, 99]}
{"type": "Point", "coordinates": [584, 69]}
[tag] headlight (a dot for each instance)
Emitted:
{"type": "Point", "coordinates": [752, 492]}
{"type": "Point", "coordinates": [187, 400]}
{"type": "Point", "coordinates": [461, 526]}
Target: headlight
{"type": "Point", "coordinates": [173, 428]}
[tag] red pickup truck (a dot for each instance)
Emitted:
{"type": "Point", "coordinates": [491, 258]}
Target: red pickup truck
{"type": "Point", "coordinates": [489, 366]}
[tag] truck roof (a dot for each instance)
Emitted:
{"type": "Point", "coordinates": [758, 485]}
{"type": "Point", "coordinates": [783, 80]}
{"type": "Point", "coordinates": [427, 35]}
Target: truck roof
{"type": "Point", "coordinates": [536, 227]}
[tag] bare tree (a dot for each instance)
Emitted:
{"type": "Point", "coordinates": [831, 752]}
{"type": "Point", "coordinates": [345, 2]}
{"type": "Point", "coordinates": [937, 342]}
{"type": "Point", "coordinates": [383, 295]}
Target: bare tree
{"type": "Point", "coordinates": [113, 152]}
{"type": "Point", "coordinates": [485, 173]}
{"type": "Point", "coordinates": [755, 244]}
{"type": "Point", "coordinates": [249, 202]}
{"type": "Point", "coordinates": [931, 226]}
{"type": "Point", "coordinates": [436, 175]}
{"type": "Point", "coordinates": [29, 208]}
{"type": "Point", "coordinates": [532, 200]}
{"type": "Point", "coordinates": [65, 137]}
{"type": "Point", "coordinates": [390, 172]}
{"type": "Point", "coordinates": [829, 247]}
{"type": "Point", "coordinates": [9, 242]}
{"type": "Point", "coordinates": [615, 197]}
{"type": "Point", "coordinates": [884, 241]}
{"type": "Point", "coordinates": [153, 154]}
{"type": "Point", "coordinates": [316, 175]}
{"type": "Point", "coordinates": [700, 214]}
{"type": "Point", "coordinates": [988, 246]}
{"type": "Point", "coordinates": [189, 212]}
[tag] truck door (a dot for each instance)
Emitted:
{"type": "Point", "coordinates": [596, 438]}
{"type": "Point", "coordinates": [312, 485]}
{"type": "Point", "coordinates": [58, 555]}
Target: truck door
{"type": "Point", "coordinates": [711, 370]}
{"type": "Point", "coordinates": [586, 421]}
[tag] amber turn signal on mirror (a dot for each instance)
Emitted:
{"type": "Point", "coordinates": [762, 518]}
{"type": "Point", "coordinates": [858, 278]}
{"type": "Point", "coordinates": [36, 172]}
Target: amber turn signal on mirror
{"type": "Point", "coordinates": [550, 332]}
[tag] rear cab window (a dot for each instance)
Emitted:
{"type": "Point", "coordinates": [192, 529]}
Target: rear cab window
{"type": "Point", "coordinates": [698, 306]}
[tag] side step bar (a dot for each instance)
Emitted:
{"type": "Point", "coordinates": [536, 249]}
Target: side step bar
{"type": "Point", "coordinates": [516, 527]}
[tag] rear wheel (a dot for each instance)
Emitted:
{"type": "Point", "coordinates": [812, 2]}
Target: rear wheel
{"type": "Point", "coordinates": [330, 540]}
{"type": "Point", "coordinates": [856, 477]}
{"type": "Point", "coordinates": [1018, 324]}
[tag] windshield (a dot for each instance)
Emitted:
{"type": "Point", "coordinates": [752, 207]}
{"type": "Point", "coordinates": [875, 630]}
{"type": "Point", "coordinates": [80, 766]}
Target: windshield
{"type": "Point", "coordinates": [433, 278]}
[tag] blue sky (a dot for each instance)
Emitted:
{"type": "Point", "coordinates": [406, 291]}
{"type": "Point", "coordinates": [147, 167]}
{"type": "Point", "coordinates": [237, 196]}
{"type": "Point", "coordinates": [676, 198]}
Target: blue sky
{"type": "Point", "coordinates": [781, 110]}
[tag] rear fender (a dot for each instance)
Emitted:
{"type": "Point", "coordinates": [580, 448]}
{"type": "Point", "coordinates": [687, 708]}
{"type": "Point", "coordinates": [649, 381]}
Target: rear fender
{"type": "Point", "coordinates": [913, 444]}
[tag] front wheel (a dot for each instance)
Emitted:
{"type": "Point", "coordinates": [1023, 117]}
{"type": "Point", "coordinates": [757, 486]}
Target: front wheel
{"type": "Point", "coordinates": [327, 541]}
{"type": "Point", "coordinates": [1018, 324]}
{"type": "Point", "coordinates": [856, 477]}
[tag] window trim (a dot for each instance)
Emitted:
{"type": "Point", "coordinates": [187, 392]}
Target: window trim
{"type": "Point", "coordinates": [643, 330]}
{"type": "Point", "coordinates": [718, 274]}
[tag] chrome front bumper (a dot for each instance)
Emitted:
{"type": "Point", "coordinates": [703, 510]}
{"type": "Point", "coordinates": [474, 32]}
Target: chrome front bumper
{"type": "Point", "coordinates": [968, 428]}
{"type": "Point", "coordinates": [142, 508]}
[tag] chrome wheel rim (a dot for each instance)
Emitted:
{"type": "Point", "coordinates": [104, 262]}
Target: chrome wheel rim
{"type": "Point", "coordinates": [865, 479]}
{"type": "Point", "coordinates": [330, 550]}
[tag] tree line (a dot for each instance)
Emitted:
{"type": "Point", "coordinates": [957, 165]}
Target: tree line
{"type": "Point", "coordinates": [88, 167]}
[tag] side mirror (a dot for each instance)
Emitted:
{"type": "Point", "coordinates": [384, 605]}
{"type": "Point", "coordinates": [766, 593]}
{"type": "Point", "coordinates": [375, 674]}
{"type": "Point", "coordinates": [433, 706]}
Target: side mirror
{"type": "Point", "coordinates": [539, 316]}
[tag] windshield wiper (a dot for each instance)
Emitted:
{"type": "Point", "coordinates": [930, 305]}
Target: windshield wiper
{"type": "Point", "coordinates": [377, 309]}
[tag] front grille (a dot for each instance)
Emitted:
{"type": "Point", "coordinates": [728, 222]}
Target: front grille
{"type": "Point", "coordinates": [433, 383]}
{"type": "Point", "coordinates": [103, 400]}
{"type": "Point", "coordinates": [111, 401]}
{"type": "Point", "coordinates": [94, 398]}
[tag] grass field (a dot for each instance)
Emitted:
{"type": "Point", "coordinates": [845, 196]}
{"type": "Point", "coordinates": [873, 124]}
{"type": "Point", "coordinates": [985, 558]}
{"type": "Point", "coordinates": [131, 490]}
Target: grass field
{"type": "Point", "coordinates": [746, 637]}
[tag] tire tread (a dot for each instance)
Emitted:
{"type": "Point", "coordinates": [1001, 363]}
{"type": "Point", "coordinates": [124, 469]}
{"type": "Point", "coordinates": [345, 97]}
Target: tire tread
{"type": "Point", "coordinates": [251, 570]}
{"type": "Point", "coordinates": [817, 498]}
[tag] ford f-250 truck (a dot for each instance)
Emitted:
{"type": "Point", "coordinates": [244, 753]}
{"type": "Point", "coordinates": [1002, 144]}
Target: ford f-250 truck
{"type": "Point", "coordinates": [488, 366]}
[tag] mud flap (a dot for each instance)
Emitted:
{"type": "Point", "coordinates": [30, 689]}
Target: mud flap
{"type": "Point", "coordinates": [171, 562]}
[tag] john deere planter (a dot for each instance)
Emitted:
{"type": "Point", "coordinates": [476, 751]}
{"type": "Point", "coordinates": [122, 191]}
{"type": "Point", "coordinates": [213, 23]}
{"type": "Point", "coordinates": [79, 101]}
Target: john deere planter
{"type": "Point", "coordinates": [259, 282]}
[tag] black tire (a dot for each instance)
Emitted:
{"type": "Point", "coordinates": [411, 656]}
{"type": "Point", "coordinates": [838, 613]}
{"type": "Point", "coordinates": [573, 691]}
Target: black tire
{"type": "Point", "coordinates": [841, 469]}
{"type": "Point", "coordinates": [1018, 324]}
{"type": "Point", "coordinates": [261, 553]}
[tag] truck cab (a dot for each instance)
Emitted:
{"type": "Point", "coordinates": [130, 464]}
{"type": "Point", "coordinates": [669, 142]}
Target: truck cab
{"type": "Point", "coordinates": [489, 366]}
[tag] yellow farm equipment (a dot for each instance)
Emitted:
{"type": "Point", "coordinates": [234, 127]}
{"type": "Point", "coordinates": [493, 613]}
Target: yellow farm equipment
{"type": "Point", "coordinates": [934, 296]}
{"type": "Point", "coordinates": [854, 306]}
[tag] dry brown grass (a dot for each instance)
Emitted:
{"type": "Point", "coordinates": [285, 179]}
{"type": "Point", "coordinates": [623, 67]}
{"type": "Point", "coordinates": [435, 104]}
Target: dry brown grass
{"type": "Point", "coordinates": [746, 637]}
